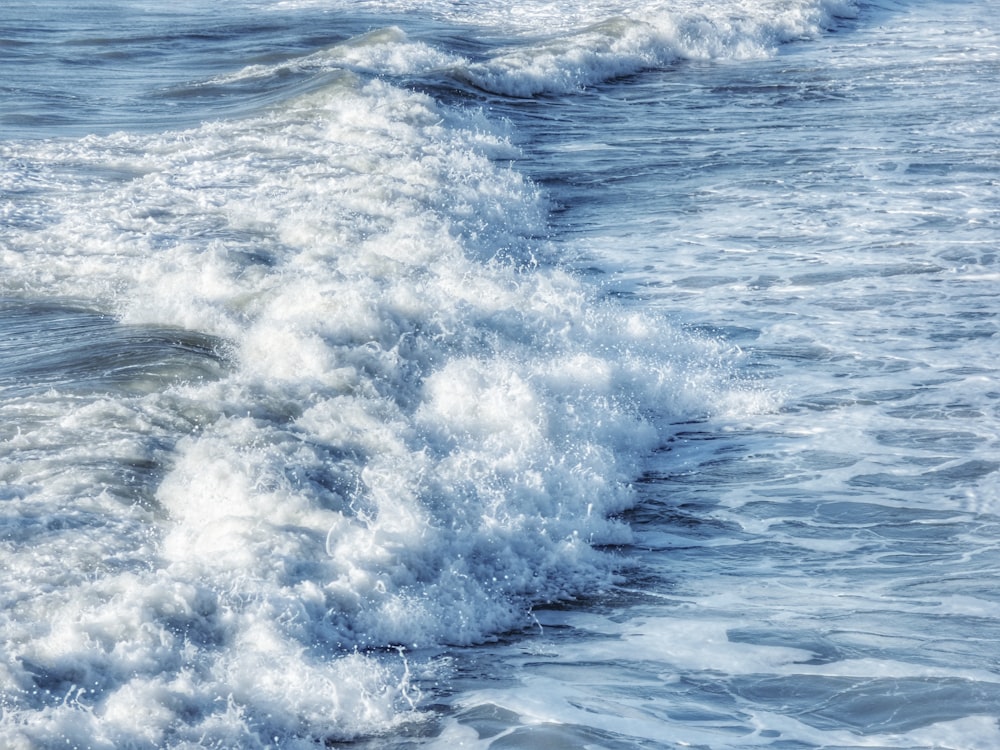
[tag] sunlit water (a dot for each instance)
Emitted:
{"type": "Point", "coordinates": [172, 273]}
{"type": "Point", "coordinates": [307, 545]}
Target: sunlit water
{"type": "Point", "coordinates": [570, 375]}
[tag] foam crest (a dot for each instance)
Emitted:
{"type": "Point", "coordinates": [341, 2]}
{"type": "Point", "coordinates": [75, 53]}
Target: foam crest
{"type": "Point", "coordinates": [585, 43]}
{"type": "Point", "coordinates": [420, 432]}
{"type": "Point", "coordinates": [386, 51]}
{"type": "Point", "coordinates": [651, 38]}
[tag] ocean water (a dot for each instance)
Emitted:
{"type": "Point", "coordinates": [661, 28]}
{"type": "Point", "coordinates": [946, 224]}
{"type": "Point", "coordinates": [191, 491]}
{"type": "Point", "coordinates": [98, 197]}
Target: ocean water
{"type": "Point", "coordinates": [435, 374]}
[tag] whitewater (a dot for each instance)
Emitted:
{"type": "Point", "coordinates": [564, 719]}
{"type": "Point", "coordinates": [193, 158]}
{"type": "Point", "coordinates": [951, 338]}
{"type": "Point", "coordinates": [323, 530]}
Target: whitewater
{"type": "Point", "coordinates": [442, 374]}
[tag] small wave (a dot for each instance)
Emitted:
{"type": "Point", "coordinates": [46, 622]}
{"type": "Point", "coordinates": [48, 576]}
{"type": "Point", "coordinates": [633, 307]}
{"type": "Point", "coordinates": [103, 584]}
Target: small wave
{"type": "Point", "coordinates": [630, 44]}
{"type": "Point", "coordinates": [386, 51]}
{"type": "Point", "coordinates": [587, 43]}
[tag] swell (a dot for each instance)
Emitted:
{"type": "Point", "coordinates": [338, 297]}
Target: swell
{"type": "Point", "coordinates": [580, 51]}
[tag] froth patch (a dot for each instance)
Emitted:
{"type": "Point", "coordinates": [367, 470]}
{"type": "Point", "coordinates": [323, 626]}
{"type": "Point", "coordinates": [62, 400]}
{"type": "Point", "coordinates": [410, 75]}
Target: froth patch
{"type": "Point", "coordinates": [421, 432]}
{"type": "Point", "coordinates": [483, 401]}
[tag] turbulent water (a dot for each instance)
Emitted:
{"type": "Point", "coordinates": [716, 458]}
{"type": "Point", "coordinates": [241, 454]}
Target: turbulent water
{"type": "Point", "coordinates": [446, 374]}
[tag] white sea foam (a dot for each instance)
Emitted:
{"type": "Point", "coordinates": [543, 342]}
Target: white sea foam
{"type": "Point", "coordinates": [386, 51]}
{"type": "Point", "coordinates": [421, 431]}
{"type": "Point", "coordinates": [651, 38]}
